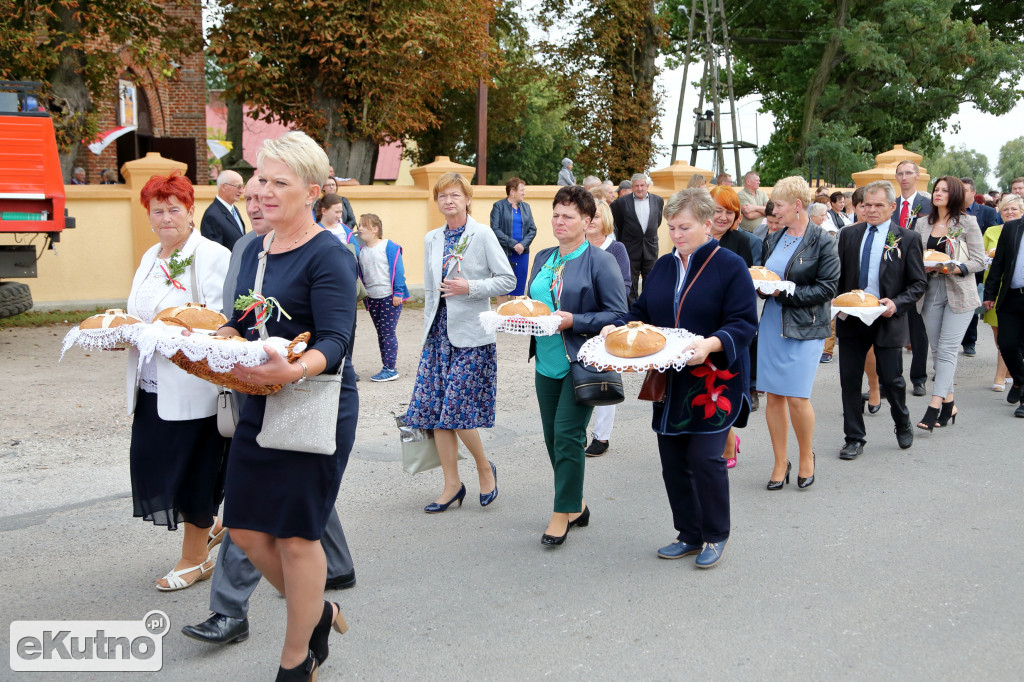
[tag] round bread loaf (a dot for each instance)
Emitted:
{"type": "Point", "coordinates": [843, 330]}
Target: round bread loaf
{"type": "Point", "coordinates": [857, 299]}
{"type": "Point", "coordinates": [763, 273]}
{"type": "Point", "coordinates": [635, 340]}
{"type": "Point", "coordinates": [524, 306]}
{"type": "Point", "coordinates": [933, 256]}
{"type": "Point", "coordinates": [195, 315]}
{"type": "Point", "coordinates": [112, 317]}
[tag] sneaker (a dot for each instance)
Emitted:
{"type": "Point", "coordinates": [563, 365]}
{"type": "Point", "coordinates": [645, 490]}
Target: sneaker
{"type": "Point", "coordinates": [825, 358]}
{"type": "Point", "coordinates": [969, 351]}
{"type": "Point", "coordinates": [385, 374]}
{"type": "Point", "coordinates": [711, 554]}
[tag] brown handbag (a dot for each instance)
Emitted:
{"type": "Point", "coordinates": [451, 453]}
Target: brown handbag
{"type": "Point", "coordinates": [656, 383]}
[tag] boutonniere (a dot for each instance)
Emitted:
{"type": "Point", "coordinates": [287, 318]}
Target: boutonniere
{"type": "Point", "coordinates": [262, 308]}
{"type": "Point", "coordinates": [177, 268]}
{"type": "Point", "coordinates": [892, 243]}
{"type": "Point", "coordinates": [457, 254]}
{"type": "Point", "coordinates": [951, 239]}
{"type": "Point", "coordinates": [913, 215]}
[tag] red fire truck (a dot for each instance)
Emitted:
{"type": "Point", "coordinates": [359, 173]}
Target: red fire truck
{"type": "Point", "coordinates": [31, 191]}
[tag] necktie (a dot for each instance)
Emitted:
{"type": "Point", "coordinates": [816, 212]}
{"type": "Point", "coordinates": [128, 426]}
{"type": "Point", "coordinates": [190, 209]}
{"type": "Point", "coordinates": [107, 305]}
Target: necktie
{"type": "Point", "coordinates": [238, 219]}
{"type": "Point", "coordinates": [904, 213]}
{"type": "Point", "coordinates": [865, 259]}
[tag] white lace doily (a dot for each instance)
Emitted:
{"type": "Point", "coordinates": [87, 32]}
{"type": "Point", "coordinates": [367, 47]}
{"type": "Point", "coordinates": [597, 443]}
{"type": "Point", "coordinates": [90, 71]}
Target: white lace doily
{"type": "Point", "coordinates": [769, 287]}
{"type": "Point", "coordinates": [866, 315]}
{"type": "Point", "coordinates": [988, 261]}
{"type": "Point", "coordinates": [220, 356]}
{"type": "Point", "coordinates": [933, 263]}
{"type": "Point", "coordinates": [674, 355]}
{"type": "Point", "coordinates": [545, 325]}
{"type": "Point", "coordinates": [97, 339]}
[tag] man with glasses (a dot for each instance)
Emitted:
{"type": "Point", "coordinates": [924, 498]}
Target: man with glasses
{"type": "Point", "coordinates": [222, 222]}
{"type": "Point", "coordinates": [910, 206]}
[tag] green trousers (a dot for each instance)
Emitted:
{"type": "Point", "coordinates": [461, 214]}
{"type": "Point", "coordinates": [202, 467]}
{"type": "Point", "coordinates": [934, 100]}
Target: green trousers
{"type": "Point", "coordinates": [565, 435]}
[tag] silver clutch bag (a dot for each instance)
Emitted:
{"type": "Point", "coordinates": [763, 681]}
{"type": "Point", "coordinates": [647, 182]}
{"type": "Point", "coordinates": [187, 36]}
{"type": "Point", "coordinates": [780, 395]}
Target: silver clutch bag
{"type": "Point", "coordinates": [303, 417]}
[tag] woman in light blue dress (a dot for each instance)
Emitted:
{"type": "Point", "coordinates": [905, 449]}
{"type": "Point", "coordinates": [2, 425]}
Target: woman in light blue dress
{"type": "Point", "coordinates": [794, 326]}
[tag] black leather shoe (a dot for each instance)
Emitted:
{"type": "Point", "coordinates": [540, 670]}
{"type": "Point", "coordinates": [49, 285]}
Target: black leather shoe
{"type": "Point", "coordinates": [218, 629]}
{"type": "Point", "coordinates": [918, 390]}
{"type": "Point", "coordinates": [852, 450]}
{"type": "Point", "coordinates": [341, 582]}
{"type": "Point", "coordinates": [904, 436]}
{"type": "Point", "coordinates": [596, 448]}
{"type": "Point", "coordinates": [1014, 396]}
{"type": "Point", "coordinates": [1019, 412]}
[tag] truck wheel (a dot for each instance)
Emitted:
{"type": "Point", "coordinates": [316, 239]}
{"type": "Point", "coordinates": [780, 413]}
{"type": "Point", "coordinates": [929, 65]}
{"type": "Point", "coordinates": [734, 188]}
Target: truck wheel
{"type": "Point", "coordinates": [15, 298]}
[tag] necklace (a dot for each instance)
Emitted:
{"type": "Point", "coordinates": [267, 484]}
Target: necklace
{"type": "Point", "coordinates": [295, 241]}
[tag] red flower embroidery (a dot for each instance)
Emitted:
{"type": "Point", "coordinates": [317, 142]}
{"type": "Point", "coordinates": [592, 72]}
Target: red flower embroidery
{"type": "Point", "coordinates": [713, 401]}
{"type": "Point", "coordinates": [711, 374]}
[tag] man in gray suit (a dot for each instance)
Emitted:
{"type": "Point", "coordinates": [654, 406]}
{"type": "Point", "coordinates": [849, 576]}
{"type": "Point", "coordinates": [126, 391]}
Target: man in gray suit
{"type": "Point", "coordinates": [235, 577]}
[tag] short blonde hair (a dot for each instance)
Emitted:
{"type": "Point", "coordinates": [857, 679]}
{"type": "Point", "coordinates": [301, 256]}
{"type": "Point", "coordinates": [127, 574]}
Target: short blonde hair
{"type": "Point", "coordinates": [1010, 199]}
{"type": "Point", "coordinates": [696, 200]}
{"type": "Point", "coordinates": [696, 181]}
{"type": "Point", "coordinates": [300, 153]}
{"type": "Point", "coordinates": [793, 189]}
{"type": "Point", "coordinates": [607, 221]}
{"type": "Point", "coordinates": [452, 180]}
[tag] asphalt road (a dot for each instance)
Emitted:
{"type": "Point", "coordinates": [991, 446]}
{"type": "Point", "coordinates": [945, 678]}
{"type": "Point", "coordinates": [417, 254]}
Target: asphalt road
{"type": "Point", "coordinates": [900, 565]}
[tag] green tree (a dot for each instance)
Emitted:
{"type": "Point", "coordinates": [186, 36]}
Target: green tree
{"type": "Point", "coordinates": [353, 73]}
{"type": "Point", "coordinates": [60, 43]}
{"type": "Point", "coordinates": [876, 66]}
{"type": "Point", "coordinates": [605, 69]}
{"type": "Point", "coordinates": [961, 162]}
{"type": "Point", "coordinates": [1011, 162]}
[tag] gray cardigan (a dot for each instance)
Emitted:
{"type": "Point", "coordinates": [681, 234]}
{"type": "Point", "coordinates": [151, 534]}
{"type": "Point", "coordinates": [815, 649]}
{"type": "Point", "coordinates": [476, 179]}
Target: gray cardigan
{"type": "Point", "coordinates": [484, 265]}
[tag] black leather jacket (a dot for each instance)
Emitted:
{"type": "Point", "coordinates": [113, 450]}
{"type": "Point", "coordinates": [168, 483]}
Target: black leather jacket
{"type": "Point", "coordinates": [814, 268]}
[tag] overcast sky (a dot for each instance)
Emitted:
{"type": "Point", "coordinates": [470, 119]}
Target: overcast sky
{"type": "Point", "coordinates": [981, 132]}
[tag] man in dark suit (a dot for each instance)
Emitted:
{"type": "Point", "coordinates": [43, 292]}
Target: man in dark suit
{"type": "Point", "coordinates": [222, 222]}
{"type": "Point", "coordinates": [1004, 291]}
{"type": "Point", "coordinates": [887, 261]}
{"type": "Point", "coordinates": [986, 217]}
{"type": "Point", "coordinates": [637, 216]}
{"type": "Point", "coordinates": [910, 206]}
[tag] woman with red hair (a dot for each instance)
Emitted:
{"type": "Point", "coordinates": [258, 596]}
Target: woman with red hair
{"type": "Point", "coordinates": [177, 456]}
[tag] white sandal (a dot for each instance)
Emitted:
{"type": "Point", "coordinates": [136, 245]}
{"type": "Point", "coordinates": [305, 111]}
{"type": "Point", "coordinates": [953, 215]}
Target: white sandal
{"type": "Point", "coordinates": [214, 540]}
{"type": "Point", "coordinates": [176, 582]}
{"type": "Point", "coordinates": [998, 388]}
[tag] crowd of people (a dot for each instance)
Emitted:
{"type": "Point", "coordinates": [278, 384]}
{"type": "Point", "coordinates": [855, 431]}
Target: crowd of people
{"type": "Point", "coordinates": [307, 253]}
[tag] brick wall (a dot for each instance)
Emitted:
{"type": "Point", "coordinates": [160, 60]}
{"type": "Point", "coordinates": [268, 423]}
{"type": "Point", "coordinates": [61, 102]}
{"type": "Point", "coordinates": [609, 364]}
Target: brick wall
{"type": "Point", "coordinates": [177, 106]}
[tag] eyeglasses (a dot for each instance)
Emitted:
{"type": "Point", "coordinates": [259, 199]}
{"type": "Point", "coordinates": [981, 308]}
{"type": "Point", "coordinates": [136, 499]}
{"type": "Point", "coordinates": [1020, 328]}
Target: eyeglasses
{"type": "Point", "coordinates": [238, 187]}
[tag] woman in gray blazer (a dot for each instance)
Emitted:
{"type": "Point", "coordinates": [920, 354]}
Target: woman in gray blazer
{"type": "Point", "coordinates": [512, 222]}
{"type": "Point", "coordinates": [456, 382]}
{"type": "Point", "coordinates": [952, 295]}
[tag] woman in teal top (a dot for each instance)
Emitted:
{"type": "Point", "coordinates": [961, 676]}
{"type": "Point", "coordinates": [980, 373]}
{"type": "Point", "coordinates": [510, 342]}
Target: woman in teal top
{"type": "Point", "coordinates": [583, 286]}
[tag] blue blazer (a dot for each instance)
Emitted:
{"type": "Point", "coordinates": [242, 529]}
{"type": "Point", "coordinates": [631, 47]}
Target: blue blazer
{"type": "Point", "coordinates": [591, 290]}
{"type": "Point", "coordinates": [722, 303]}
{"type": "Point", "coordinates": [501, 223]}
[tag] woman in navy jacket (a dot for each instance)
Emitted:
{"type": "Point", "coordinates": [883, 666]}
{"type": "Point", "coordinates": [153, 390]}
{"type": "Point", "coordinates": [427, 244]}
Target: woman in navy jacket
{"type": "Point", "coordinates": [513, 225]}
{"type": "Point", "coordinates": [583, 285]}
{"type": "Point", "coordinates": [710, 396]}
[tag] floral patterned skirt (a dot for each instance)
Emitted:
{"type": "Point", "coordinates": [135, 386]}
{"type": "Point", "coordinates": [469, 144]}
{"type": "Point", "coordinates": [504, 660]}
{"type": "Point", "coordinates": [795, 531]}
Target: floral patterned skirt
{"type": "Point", "coordinates": [455, 387]}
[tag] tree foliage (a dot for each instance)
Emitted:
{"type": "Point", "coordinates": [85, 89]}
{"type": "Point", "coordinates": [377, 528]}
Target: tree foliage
{"type": "Point", "coordinates": [891, 71]}
{"type": "Point", "coordinates": [58, 42]}
{"type": "Point", "coordinates": [605, 70]}
{"type": "Point", "coordinates": [526, 134]}
{"type": "Point", "coordinates": [961, 162]}
{"type": "Point", "coordinates": [1011, 162]}
{"type": "Point", "coordinates": [353, 74]}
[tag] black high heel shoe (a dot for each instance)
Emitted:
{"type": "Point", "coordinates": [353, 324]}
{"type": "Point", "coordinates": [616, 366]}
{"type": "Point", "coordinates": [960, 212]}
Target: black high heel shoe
{"type": "Point", "coordinates": [802, 482]}
{"type": "Point", "coordinates": [305, 672]}
{"type": "Point", "coordinates": [582, 520]}
{"type": "Point", "coordinates": [931, 415]}
{"type": "Point", "coordinates": [318, 640]}
{"type": "Point", "coordinates": [777, 485]}
{"type": "Point", "coordinates": [947, 414]}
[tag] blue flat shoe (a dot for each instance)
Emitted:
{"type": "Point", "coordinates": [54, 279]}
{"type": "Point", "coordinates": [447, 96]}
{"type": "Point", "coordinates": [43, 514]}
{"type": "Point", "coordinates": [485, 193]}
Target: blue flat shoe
{"type": "Point", "coordinates": [487, 498]}
{"type": "Point", "coordinates": [678, 549]}
{"type": "Point", "coordinates": [436, 508]}
{"type": "Point", "coordinates": [711, 554]}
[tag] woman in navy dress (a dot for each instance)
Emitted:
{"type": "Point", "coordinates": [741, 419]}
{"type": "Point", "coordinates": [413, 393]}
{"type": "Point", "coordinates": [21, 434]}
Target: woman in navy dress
{"type": "Point", "coordinates": [277, 501]}
{"type": "Point", "coordinates": [794, 327]}
{"type": "Point", "coordinates": [704, 289]}
{"type": "Point", "coordinates": [513, 225]}
{"type": "Point", "coordinates": [456, 382]}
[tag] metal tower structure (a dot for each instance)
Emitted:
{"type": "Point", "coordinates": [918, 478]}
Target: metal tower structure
{"type": "Point", "coordinates": [707, 131]}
